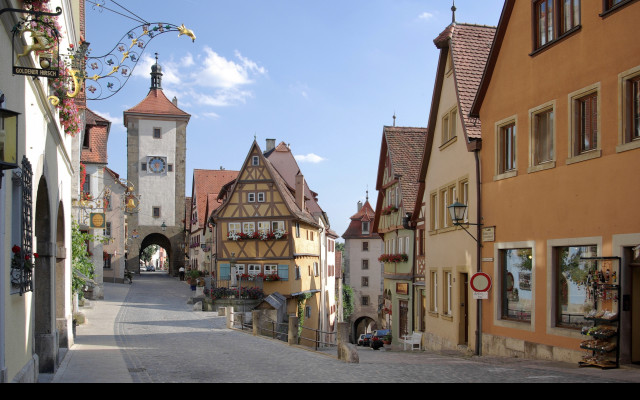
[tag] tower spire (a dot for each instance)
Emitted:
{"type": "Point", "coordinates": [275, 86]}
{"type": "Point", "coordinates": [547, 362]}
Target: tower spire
{"type": "Point", "coordinates": [453, 12]}
{"type": "Point", "coordinates": [156, 75]}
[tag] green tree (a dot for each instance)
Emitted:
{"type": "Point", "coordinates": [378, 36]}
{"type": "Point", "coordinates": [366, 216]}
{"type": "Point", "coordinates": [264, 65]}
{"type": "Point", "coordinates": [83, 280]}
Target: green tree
{"type": "Point", "coordinates": [148, 253]}
{"type": "Point", "coordinates": [81, 262]}
{"type": "Point", "coordinates": [348, 301]}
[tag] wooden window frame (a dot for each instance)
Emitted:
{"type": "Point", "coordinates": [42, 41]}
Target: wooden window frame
{"type": "Point", "coordinates": [576, 124]}
{"type": "Point", "coordinates": [504, 171]}
{"type": "Point", "coordinates": [628, 124]}
{"type": "Point", "coordinates": [536, 163]}
{"type": "Point", "coordinates": [157, 133]}
{"type": "Point", "coordinates": [555, 26]}
{"type": "Point", "coordinates": [608, 6]}
{"type": "Point", "coordinates": [153, 212]}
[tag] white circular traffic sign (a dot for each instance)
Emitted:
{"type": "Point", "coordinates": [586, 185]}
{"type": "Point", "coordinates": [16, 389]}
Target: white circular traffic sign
{"type": "Point", "coordinates": [480, 282]}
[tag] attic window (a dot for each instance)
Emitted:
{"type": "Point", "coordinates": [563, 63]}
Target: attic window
{"type": "Point", "coordinates": [87, 139]}
{"type": "Point", "coordinates": [255, 161]}
{"type": "Point", "coordinates": [365, 227]}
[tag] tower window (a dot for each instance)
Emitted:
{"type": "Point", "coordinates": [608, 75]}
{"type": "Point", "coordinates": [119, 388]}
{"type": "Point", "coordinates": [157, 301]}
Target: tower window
{"type": "Point", "coordinates": [157, 133]}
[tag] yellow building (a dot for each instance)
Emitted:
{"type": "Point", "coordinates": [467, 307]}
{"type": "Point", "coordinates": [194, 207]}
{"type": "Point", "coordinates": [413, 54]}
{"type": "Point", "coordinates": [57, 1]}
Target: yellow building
{"type": "Point", "coordinates": [265, 229]}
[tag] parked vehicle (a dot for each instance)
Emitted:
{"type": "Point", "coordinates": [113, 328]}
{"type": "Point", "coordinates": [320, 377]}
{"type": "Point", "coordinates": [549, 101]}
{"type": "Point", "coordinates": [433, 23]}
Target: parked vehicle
{"type": "Point", "coordinates": [150, 268]}
{"type": "Point", "coordinates": [364, 339]}
{"type": "Point", "coordinates": [376, 338]}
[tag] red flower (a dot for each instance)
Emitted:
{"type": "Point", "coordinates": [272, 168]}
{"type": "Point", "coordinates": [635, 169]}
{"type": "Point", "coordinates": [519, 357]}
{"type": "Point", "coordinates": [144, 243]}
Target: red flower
{"type": "Point", "coordinates": [15, 249]}
{"type": "Point", "coordinates": [27, 257]}
{"type": "Point", "coordinates": [35, 255]}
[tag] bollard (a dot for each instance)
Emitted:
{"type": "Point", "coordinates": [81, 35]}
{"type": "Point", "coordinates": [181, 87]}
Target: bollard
{"type": "Point", "coordinates": [347, 352]}
{"type": "Point", "coordinates": [255, 315]}
{"type": "Point", "coordinates": [229, 313]}
{"type": "Point", "coordinates": [293, 330]}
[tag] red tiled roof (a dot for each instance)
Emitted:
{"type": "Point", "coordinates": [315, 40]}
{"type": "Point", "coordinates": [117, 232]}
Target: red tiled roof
{"type": "Point", "coordinates": [206, 186]}
{"type": "Point", "coordinates": [156, 103]}
{"type": "Point", "coordinates": [98, 131]}
{"type": "Point", "coordinates": [406, 147]}
{"type": "Point", "coordinates": [470, 47]}
{"type": "Point", "coordinates": [354, 230]}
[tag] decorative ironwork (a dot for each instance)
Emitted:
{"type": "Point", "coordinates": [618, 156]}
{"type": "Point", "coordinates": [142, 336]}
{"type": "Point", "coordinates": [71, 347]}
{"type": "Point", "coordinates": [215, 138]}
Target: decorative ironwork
{"type": "Point", "coordinates": [107, 74]}
{"type": "Point", "coordinates": [45, 40]}
{"type": "Point", "coordinates": [23, 258]}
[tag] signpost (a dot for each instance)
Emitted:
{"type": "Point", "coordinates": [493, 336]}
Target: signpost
{"type": "Point", "coordinates": [481, 285]}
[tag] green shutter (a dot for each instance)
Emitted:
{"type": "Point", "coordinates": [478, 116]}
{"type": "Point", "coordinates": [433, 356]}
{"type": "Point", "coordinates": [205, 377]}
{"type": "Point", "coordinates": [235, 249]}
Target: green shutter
{"type": "Point", "coordinates": [225, 272]}
{"type": "Point", "coordinates": [283, 272]}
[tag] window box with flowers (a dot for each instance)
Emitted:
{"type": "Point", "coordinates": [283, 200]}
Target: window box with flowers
{"type": "Point", "coordinates": [272, 278]}
{"type": "Point", "coordinates": [393, 258]}
{"type": "Point", "coordinates": [389, 210]}
{"type": "Point", "coordinates": [273, 235]}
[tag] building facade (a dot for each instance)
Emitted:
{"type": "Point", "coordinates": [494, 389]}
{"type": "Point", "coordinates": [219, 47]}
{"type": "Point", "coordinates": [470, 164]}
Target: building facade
{"type": "Point", "coordinates": [449, 175]}
{"type": "Point", "coordinates": [400, 155]}
{"type": "Point", "coordinates": [363, 271]}
{"type": "Point", "coordinates": [559, 158]}
{"type": "Point", "coordinates": [266, 230]}
{"type": "Point", "coordinates": [156, 168]}
{"type": "Point", "coordinates": [35, 199]}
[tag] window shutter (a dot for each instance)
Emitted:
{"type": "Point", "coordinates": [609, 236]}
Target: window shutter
{"type": "Point", "coordinates": [225, 272]}
{"type": "Point", "coordinates": [283, 272]}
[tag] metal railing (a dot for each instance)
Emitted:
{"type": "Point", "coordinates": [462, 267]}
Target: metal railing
{"type": "Point", "coordinates": [329, 339]}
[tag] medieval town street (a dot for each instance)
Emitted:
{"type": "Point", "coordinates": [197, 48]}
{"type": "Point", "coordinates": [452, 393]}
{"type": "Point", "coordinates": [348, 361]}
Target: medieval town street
{"type": "Point", "coordinates": [147, 333]}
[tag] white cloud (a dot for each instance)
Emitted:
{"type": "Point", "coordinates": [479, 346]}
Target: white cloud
{"type": "Point", "coordinates": [425, 15]}
{"type": "Point", "coordinates": [218, 72]}
{"type": "Point", "coordinates": [310, 158]}
{"type": "Point", "coordinates": [115, 121]}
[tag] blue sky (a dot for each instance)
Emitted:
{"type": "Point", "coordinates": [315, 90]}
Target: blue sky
{"type": "Point", "coordinates": [323, 76]}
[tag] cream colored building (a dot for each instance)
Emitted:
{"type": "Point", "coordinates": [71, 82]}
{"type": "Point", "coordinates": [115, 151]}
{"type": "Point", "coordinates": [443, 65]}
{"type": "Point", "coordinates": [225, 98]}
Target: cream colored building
{"type": "Point", "coordinates": [35, 209]}
{"type": "Point", "coordinates": [448, 175]}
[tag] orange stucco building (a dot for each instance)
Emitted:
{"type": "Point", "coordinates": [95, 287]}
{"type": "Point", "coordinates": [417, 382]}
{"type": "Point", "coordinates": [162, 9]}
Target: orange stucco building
{"type": "Point", "coordinates": [559, 105]}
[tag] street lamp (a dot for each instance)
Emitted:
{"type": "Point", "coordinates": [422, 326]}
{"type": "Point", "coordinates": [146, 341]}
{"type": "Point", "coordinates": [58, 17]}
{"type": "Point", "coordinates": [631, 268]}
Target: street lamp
{"type": "Point", "coordinates": [458, 211]}
{"type": "Point", "coordinates": [8, 140]}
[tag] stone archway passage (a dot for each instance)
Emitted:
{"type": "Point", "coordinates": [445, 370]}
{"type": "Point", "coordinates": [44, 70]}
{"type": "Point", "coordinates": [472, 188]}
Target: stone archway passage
{"type": "Point", "coordinates": [45, 334]}
{"type": "Point", "coordinates": [159, 240]}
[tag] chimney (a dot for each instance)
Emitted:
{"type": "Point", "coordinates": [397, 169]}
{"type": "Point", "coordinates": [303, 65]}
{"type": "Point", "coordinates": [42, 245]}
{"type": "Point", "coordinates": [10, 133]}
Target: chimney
{"type": "Point", "coordinates": [271, 144]}
{"type": "Point", "coordinates": [300, 191]}
{"type": "Point", "coordinates": [359, 206]}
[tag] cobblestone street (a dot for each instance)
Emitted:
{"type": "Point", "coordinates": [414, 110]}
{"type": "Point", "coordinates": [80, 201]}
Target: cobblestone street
{"type": "Point", "coordinates": [158, 338]}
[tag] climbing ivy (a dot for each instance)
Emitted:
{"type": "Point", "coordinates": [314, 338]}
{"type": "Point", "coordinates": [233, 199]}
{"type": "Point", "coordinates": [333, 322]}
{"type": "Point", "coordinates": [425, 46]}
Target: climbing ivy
{"type": "Point", "coordinates": [81, 261]}
{"type": "Point", "coordinates": [348, 301]}
{"type": "Point", "coordinates": [302, 299]}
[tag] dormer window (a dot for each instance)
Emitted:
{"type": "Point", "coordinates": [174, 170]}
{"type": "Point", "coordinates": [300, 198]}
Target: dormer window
{"type": "Point", "coordinates": [365, 227]}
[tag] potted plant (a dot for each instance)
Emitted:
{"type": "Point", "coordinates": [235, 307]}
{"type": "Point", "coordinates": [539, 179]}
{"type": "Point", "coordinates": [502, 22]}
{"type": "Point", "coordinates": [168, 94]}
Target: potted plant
{"type": "Point", "coordinates": [386, 339]}
{"type": "Point", "coordinates": [193, 278]}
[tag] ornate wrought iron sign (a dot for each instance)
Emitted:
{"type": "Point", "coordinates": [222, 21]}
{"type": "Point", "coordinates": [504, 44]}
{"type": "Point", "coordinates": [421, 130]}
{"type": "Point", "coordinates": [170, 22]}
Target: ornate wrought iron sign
{"type": "Point", "coordinates": [33, 35]}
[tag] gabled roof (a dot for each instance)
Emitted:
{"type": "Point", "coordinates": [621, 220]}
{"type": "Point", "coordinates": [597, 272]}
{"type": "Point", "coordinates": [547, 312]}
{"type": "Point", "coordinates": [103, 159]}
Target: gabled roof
{"type": "Point", "coordinates": [156, 104]}
{"type": "Point", "coordinates": [287, 192]}
{"type": "Point", "coordinates": [206, 184]}
{"type": "Point", "coordinates": [115, 176]}
{"type": "Point", "coordinates": [469, 47]}
{"type": "Point", "coordinates": [366, 214]}
{"type": "Point", "coordinates": [98, 129]}
{"type": "Point", "coordinates": [404, 147]}
{"type": "Point", "coordinates": [285, 163]}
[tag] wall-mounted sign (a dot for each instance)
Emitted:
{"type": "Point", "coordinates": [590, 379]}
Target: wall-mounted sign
{"type": "Point", "coordinates": [42, 39]}
{"type": "Point", "coordinates": [402, 288]}
{"type": "Point", "coordinates": [489, 234]}
{"type": "Point", "coordinates": [97, 221]}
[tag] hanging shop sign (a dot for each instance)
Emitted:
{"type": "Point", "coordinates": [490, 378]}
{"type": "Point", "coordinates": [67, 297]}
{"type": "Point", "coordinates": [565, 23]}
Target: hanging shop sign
{"type": "Point", "coordinates": [34, 35]}
{"type": "Point", "coordinates": [98, 221]}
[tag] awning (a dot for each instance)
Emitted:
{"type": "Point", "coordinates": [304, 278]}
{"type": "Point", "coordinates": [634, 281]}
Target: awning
{"type": "Point", "coordinates": [314, 291]}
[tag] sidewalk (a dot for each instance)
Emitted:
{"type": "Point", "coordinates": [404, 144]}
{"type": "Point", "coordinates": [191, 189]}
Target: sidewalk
{"type": "Point", "coordinates": [95, 356]}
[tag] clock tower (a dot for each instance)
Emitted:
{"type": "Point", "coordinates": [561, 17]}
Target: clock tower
{"type": "Point", "coordinates": [156, 168]}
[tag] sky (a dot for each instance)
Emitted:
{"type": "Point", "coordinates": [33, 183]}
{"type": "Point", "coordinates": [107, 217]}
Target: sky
{"type": "Point", "coordinates": [323, 76]}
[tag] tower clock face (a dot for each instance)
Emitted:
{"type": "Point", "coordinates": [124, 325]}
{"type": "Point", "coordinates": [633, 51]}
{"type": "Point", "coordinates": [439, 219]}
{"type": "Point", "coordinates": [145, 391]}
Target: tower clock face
{"type": "Point", "coordinates": [157, 165]}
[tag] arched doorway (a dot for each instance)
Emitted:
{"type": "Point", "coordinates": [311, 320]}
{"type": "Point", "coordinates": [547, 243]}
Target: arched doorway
{"type": "Point", "coordinates": [63, 320]}
{"type": "Point", "coordinates": [158, 260]}
{"type": "Point", "coordinates": [364, 324]}
{"type": "Point", "coordinates": [45, 334]}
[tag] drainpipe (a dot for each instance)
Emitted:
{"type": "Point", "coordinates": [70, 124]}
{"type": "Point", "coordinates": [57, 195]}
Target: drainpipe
{"type": "Point", "coordinates": [478, 351]}
{"type": "Point", "coordinates": [3, 367]}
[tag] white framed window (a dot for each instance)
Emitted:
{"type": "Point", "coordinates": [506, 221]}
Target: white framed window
{"type": "Point", "coordinates": [263, 227]}
{"type": "Point", "coordinates": [234, 227]}
{"type": "Point", "coordinates": [449, 295]}
{"type": "Point", "coordinates": [277, 226]}
{"type": "Point", "coordinates": [248, 227]}
{"type": "Point", "coordinates": [316, 269]}
{"type": "Point", "coordinates": [261, 197]}
{"type": "Point", "coordinates": [434, 292]}
{"type": "Point", "coordinates": [255, 161]}
{"type": "Point", "coordinates": [254, 269]}
{"type": "Point", "coordinates": [401, 246]}
{"type": "Point", "coordinates": [270, 269]}
{"type": "Point", "coordinates": [251, 197]}
{"type": "Point", "coordinates": [365, 227]}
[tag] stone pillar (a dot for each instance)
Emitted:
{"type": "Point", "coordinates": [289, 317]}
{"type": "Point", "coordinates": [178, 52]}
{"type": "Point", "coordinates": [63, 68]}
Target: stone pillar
{"type": "Point", "coordinates": [229, 312]}
{"type": "Point", "coordinates": [347, 352]}
{"type": "Point", "coordinates": [255, 315]}
{"type": "Point", "coordinates": [293, 330]}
